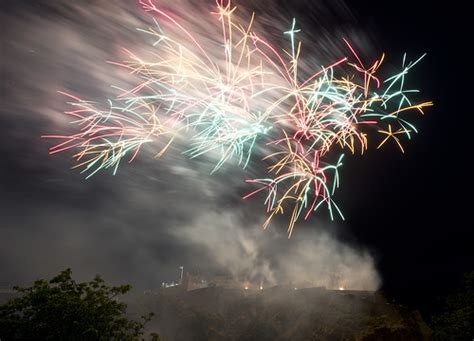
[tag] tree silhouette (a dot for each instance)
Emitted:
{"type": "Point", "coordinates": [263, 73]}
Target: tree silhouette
{"type": "Point", "coordinates": [63, 309]}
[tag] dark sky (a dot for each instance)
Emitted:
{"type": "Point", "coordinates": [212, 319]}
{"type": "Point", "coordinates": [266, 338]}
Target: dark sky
{"type": "Point", "coordinates": [406, 215]}
{"type": "Point", "coordinates": [416, 208]}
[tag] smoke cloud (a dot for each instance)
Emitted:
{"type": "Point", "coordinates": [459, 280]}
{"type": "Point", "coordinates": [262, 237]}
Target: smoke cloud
{"type": "Point", "coordinates": [311, 258]}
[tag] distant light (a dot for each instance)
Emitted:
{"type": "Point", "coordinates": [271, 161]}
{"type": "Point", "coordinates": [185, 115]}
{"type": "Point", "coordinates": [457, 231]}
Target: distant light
{"type": "Point", "coordinates": [296, 288]}
{"type": "Point", "coordinates": [261, 288]}
{"type": "Point", "coordinates": [341, 288]}
{"type": "Point", "coordinates": [246, 288]}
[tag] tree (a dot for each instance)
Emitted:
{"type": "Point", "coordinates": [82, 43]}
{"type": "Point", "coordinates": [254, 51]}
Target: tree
{"type": "Point", "coordinates": [62, 309]}
{"type": "Point", "coordinates": [456, 322]}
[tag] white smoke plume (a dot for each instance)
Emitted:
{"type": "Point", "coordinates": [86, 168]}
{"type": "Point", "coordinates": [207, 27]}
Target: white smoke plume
{"type": "Point", "coordinates": [310, 258]}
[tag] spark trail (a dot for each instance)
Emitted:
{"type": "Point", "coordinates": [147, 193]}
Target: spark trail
{"type": "Point", "coordinates": [229, 98]}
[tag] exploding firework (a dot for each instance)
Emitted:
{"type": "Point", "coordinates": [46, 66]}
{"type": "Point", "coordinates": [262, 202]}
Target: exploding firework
{"type": "Point", "coordinates": [245, 94]}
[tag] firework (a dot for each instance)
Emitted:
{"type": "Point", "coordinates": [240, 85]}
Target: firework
{"type": "Point", "coordinates": [244, 95]}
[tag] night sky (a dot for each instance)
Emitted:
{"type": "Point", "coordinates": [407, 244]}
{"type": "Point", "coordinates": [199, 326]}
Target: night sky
{"type": "Point", "coordinates": [407, 216]}
{"type": "Point", "coordinates": [415, 209]}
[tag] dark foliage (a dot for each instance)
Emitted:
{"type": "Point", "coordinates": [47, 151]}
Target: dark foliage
{"type": "Point", "coordinates": [62, 309]}
{"type": "Point", "coordinates": [456, 322]}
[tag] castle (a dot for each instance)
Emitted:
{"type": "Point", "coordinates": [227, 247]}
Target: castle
{"type": "Point", "coordinates": [191, 282]}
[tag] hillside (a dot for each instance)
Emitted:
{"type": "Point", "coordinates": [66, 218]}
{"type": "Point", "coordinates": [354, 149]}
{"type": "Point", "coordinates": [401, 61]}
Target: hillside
{"type": "Point", "coordinates": [278, 313]}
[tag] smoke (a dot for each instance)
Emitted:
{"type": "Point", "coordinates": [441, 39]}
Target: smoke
{"type": "Point", "coordinates": [227, 245]}
{"type": "Point", "coordinates": [155, 215]}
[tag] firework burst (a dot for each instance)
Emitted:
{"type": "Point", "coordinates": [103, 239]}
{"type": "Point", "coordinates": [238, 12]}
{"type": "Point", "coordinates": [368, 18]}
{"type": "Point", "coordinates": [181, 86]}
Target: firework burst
{"type": "Point", "coordinates": [244, 94]}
